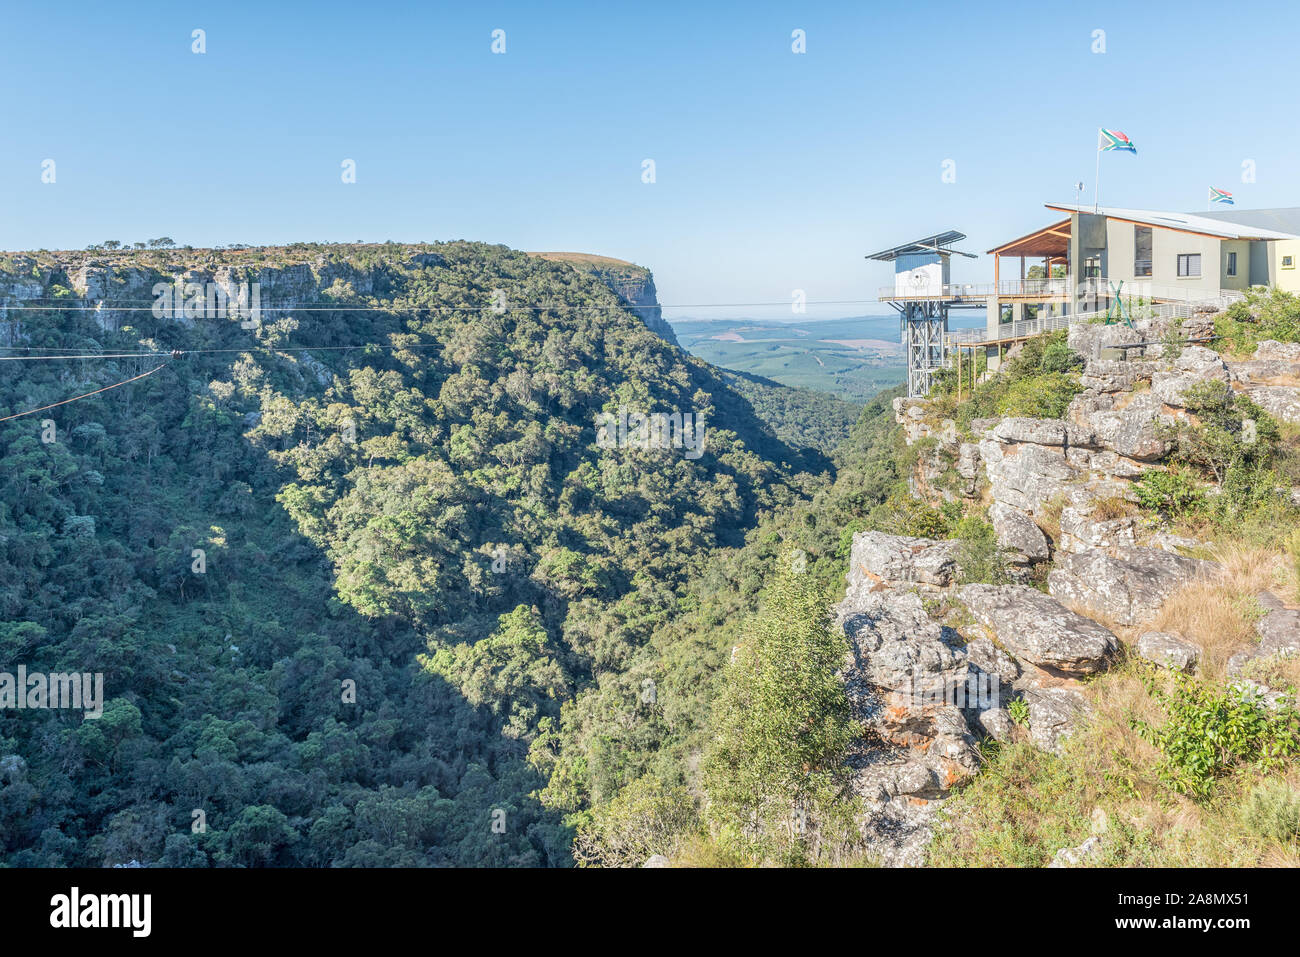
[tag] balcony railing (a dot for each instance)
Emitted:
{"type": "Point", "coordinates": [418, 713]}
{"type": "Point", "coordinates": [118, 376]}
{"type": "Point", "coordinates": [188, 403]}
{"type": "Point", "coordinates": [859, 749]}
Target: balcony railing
{"type": "Point", "coordinates": [1065, 288]}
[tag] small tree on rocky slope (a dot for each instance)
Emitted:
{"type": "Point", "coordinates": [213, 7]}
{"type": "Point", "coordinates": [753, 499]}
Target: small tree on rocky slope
{"type": "Point", "coordinates": [781, 725]}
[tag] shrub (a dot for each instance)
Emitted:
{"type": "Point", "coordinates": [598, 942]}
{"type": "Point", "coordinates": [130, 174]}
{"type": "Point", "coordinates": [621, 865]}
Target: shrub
{"type": "Point", "coordinates": [980, 559]}
{"type": "Point", "coordinates": [1273, 812]}
{"type": "Point", "coordinates": [1232, 432]}
{"type": "Point", "coordinates": [904, 514]}
{"type": "Point", "coordinates": [1174, 493]}
{"type": "Point", "coordinates": [645, 818]}
{"type": "Point", "coordinates": [1271, 314]}
{"type": "Point", "coordinates": [1210, 729]}
{"type": "Point", "coordinates": [1040, 382]}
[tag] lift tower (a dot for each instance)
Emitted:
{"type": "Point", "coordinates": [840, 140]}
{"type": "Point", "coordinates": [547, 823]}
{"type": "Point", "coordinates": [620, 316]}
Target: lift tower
{"type": "Point", "coordinates": [922, 294]}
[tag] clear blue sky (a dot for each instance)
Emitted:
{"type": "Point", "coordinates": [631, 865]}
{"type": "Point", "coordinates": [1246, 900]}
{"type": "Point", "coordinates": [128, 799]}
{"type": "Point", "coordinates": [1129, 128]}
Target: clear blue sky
{"type": "Point", "coordinates": [775, 171]}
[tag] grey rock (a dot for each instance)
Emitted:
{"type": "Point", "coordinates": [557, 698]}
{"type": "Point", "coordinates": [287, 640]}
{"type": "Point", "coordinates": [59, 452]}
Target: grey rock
{"type": "Point", "coordinates": [656, 860]}
{"type": "Point", "coordinates": [1280, 401]}
{"type": "Point", "coordinates": [968, 460]}
{"type": "Point", "coordinates": [1131, 430]}
{"type": "Point", "coordinates": [1025, 476]}
{"type": "Point", "coordinates": [1268, 601]}
{"type": "Point", "coordinates": [1088, 340]}
{"type": "Point", "coordinates": [1080, 532]}
{"type": "Point", "coordinates": [1054, 432]}
{"type": "Point", "coordinates": [878, 559]}
{"type": "Point", "coordinates": [906, 678]}
{"type": "Point", "coordinates": [1054, 714]}
{"type": "Point", "coordinates": [1239, 661]}
{"type": "Point", "coordinates": [1037, 628]}
{"type": "Point", "coordinates": [1194, 366]}
{"type": "Point", "coordinates": [1079, 856]}
{"type": "Point", "coordinates": [1105, 375]}
{"type": "Point", "coordinates": [1279, 633]}
{"type": "Point", "coordinates": [1280, 351]}
{"type": "Point", "coordinates": [897, 646]}
{"type": "Point", "coordinates": [1167, 651]}
{"type": "Point", "coordinates": [989, 658]}
{"type": "Point", "coordinates": [1018, 533]}
{"type": "Point", "coordinates": [1128, 587]}
{"type": "Point", "coordinates": [997, 724]}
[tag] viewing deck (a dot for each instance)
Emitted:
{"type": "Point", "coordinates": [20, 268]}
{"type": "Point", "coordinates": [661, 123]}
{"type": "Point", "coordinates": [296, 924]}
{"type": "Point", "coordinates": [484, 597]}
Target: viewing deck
{"type": "Point", "coordinates": [977, 294]}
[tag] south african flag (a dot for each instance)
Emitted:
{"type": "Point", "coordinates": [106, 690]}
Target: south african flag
{"type": "Point", "coordinates": [1108, 140]}
{"type": "Point", "coordinates": [1220, 196]}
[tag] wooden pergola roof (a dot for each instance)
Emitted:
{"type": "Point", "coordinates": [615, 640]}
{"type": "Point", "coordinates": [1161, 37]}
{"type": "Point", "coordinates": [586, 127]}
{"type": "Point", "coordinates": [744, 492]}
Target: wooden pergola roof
{"type": "Point", "coordinates": [1051, 241]}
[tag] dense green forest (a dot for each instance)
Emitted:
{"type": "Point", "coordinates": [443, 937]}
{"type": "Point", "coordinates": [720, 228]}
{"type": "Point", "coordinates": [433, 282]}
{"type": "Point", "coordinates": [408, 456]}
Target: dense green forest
{"type": "Point", "coordinates": [432, 622]}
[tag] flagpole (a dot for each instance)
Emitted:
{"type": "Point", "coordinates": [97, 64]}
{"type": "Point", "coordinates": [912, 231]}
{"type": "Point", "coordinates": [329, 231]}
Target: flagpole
{"type": "Point", "coordinates": [1096, 180]}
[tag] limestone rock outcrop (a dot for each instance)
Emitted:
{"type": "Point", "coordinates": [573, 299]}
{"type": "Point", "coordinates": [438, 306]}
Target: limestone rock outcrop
{"type": "Point", "coordinates": [1037, 628]}
{"type": "Point", "coordinates": [1128, 587]}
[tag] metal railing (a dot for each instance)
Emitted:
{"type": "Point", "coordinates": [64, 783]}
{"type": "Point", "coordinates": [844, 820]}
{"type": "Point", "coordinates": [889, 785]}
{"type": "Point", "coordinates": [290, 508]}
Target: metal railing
{"type": "Point", "coordinates": [1066, 288]}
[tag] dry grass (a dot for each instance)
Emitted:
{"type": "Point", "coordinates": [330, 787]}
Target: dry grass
{"type": "Point", "coordinates": [1219, 613]}
{"type": "Point", "coordinates": [1026, 805]}
{"type": "Point", "coordinates": [1049, 517]}
{"type": "Point", "coordinates": [1112, 507]}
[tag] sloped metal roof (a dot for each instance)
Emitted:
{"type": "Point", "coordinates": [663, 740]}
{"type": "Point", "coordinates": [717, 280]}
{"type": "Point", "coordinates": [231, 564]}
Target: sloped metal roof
{"type": "Point", "coordinates": [1225, 225]}
{"type": "Point", "coordinates": [937, 243]}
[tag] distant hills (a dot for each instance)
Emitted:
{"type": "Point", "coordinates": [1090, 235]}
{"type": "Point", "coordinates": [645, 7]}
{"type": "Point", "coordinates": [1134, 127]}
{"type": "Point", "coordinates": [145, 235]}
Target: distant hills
{"type": "Point", "coordinates": [852, 358]}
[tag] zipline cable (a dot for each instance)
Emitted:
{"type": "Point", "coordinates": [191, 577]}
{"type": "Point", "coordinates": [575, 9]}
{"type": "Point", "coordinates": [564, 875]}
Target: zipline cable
{"type": "Point", "coordinates": [87, 395]}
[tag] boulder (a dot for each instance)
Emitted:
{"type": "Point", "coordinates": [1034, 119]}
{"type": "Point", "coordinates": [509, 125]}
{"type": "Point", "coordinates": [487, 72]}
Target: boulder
{"type": "Point", "coordinates": [1279, 633]}
{"type": "Point", "coordinates": [878, 560]}
{"type": "Point", "coordinates": [997, 724]}
{"type": "Point", "coordinates": [967, 463]}
{"type": "Point", "coordinates": [1131, 430]}
{"type": "Point", "coordinates": [907, 679]}
{"type": "Point", "coordinates": [1037, 628]}
{"type": "Point", "coordinates": [992, 660]}
{"type": "Point", "coordinates": [656, 860]}
{"type": "Point", "coordinates": [1080, 856]}
{"type": "Point", "coordinates": [897, 646]}
{"type": "Point", "coordinates": [1167, 651]}
{"type": "Point", "coordinates": [1109, 375]}
{"type": "Point", "coordinates": [1081, 531]}
{"type": "Point", "coordinates": [1025, 476]}
{"type": "Point", "coordinates": [1018, 533]}
{"type": "Point", "coordinates": [1274, 363]}
{"type": "Point", "coordinates": [1054, 432]}
{"type": "Point", "coordinates": [1194, 366]}
{"type": "Point", "coordinates": [1127, 588]}
{"type": "Point", "coordinates": [1280, 401]}
{"type": "Point", "coordinates": [1088, 339]}
{"type": "Point", "coordinates": [1054, 714]}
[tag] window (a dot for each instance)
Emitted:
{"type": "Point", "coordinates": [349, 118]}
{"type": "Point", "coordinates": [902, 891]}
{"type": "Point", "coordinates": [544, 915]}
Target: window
{"type": "Point", "coordinates": [1141, 250]}
{"type": "Point", "coordinates": [1189, 265]}
{"type": "Point", "coordinates": [1288, 262]}
{"type": "Point", "coordinates": [1232, 264]}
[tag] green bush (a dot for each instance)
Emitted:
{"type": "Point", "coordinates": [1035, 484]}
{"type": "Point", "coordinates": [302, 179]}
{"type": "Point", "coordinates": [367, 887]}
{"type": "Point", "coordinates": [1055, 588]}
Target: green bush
{"type": "Point", "coordinates": [904, 514]}
{"type": "Point", "coordinates": [1211, 729]}
{"type": "Point", "coordinates": [980, 559]}
{"type": "Point", "coordinates": [1039, 382]}
{"type": "Point", "coordinates": [1233, 432]}
{"type": "Point", "coordinates": [1266, 314]}
{"type": "Point", "coordinates": [1174, 493]}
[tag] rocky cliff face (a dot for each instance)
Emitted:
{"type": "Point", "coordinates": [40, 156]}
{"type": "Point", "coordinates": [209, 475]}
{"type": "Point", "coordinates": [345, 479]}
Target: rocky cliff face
{"type": "Point", "coordinates": [937, 665]}
{"type": "Point", "coordinates": [113, 284]}
{"type": "Point", "coordinates": [634, 285]}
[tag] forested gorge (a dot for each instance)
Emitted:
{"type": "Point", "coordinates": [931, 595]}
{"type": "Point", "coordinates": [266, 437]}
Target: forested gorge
{"type": "Point", "coordinates": [398, 491]}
